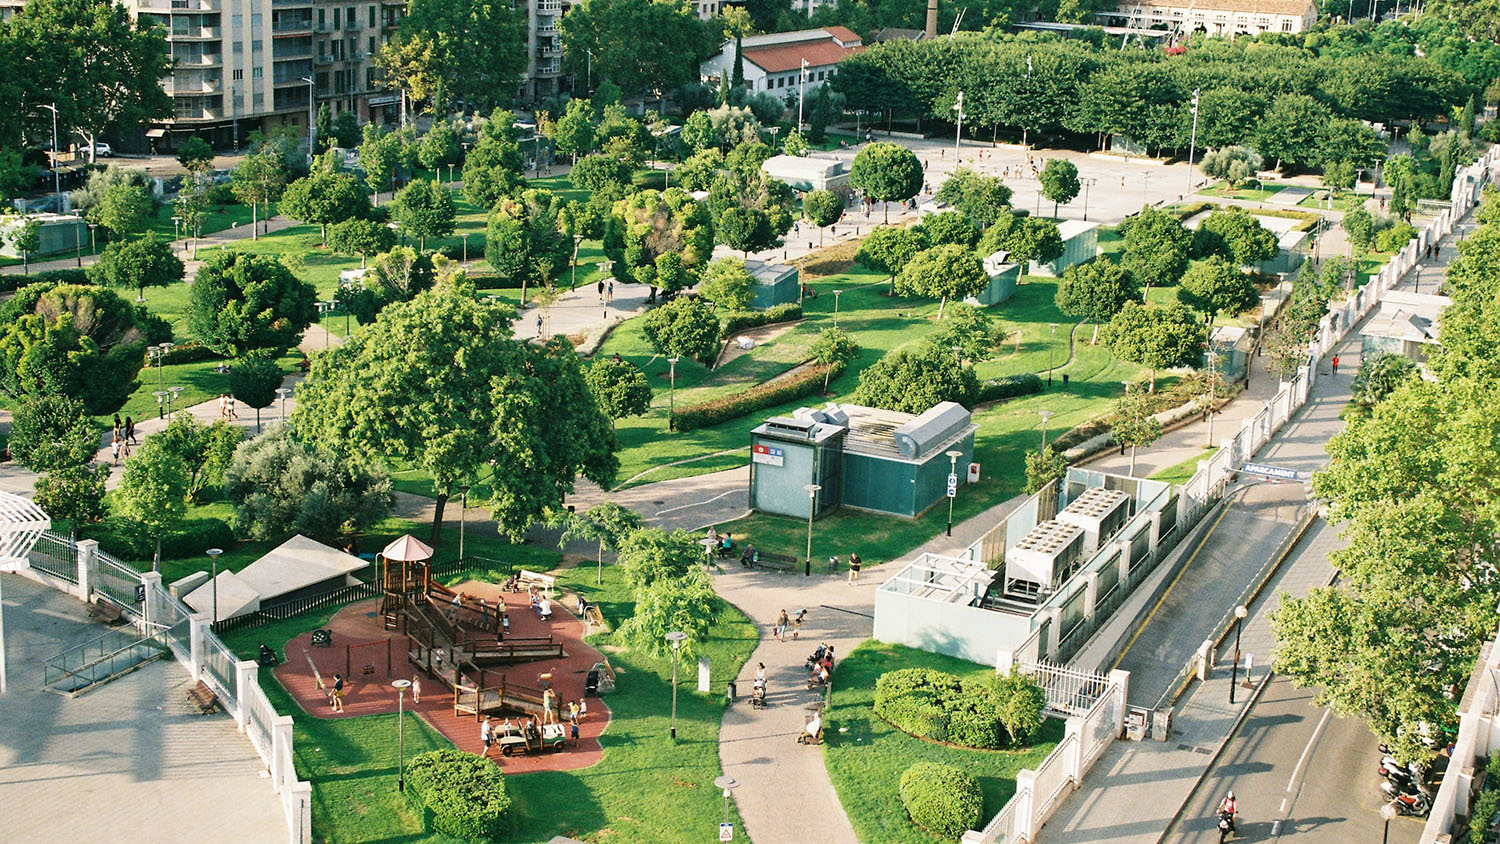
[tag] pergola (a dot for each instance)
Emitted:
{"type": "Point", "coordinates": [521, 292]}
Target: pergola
{"type": "Point", "coordinates": [21, 525]}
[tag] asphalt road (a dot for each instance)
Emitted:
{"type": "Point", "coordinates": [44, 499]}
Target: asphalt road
{"type": "Point", "coordinates": [1298, 772]}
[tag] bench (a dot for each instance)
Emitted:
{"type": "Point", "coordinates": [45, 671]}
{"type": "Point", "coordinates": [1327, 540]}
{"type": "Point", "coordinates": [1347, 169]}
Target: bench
{"type": "Point", "coordinates": [544, 582]}
{"type": "Point", "coordinates": [773, 560]}
{"type": "Point", "coordinates": [105, 611]}
{"type": "Point", "coordinates": [203, 697]}
{"type": "Point", "coordinates": [592, 618]}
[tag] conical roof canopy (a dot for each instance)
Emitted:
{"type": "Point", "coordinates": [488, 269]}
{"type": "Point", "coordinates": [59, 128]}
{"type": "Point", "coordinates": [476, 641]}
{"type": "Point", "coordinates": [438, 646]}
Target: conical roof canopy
{"type": "Point", "coordinates": [407, 549]}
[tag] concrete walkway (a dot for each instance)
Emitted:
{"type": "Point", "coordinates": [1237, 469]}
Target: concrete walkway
{"type": "Point", "coordinates": [184, 249]}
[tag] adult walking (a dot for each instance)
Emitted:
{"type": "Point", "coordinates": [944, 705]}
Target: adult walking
{"type": "Point", "coordinates": [854, 563]}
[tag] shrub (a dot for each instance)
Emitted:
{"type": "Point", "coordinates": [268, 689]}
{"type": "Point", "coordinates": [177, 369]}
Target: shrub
{"type": "Point", "coordinates": [933, 705]}
{"type": "Point", "coordinates": [1010, 386]}
{"type": "Point", "coordinates": [465, 794]}
{"type": "Point", "coordinates": [806, 382]}
{"type": "Point", "coordinates": [941, 799]}
{"type": "Point", "coordinates": [1394, 238]}
{"type": "Point", "coordinates": [190, 352]}
{"type": "Point", "coordinates": [131, 540]}
{"type": "Point", "coordinates": [1483, 814]}
{"type": "Point", "coordinates": [741, 320]}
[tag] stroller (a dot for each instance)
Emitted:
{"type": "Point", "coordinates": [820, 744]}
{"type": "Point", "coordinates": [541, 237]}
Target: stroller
{"type": "Point", "coordinates": [824, 650]}
{"type": "Point", "coordinates": [758, 695]}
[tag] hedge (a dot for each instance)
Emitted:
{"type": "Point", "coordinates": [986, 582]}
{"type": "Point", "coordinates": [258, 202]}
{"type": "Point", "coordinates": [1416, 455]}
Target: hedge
{"type": "Point", "coordinates": [941, 799]}
{"type": "Point", "coordinates": [10, 283]}
{"type": "Point", "coordinates": [190, 352]}
{"type": "Point", "coordinates": [941, 707]}
{"type": "Point", "coordinates": [491, 281]}
{"type": "Point", "coordinates": [1010, 386]}
{"type": "Point", "coordinates": [741, 320]}
{"type": "Point", "coordinates": [130, 540]}
{"type": "Point", "coordinates": [805, 383]}
{"type": "Point", "coordinates": [464, 794]}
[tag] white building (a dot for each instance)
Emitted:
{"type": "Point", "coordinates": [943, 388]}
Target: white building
{"type": "Point", "coordinates": [773, 61]}
{"type": "Point", "coordinates": [1218, 17]}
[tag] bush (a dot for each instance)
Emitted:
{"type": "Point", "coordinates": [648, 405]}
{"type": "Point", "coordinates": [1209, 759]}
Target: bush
{"type": "Point", "coordinates": [11, 283]}
{"type": "Point", "coordinates": [1394, 238]}
{"type": "Point", "coordinates": [491, 281]}
{"type": "Point", "coordinates": [741, 320]}
{"type": "Point", "coordinates": [1483, 814]}
{"type": "Point", "coordinates": [941, 707]}
{"type": "Point", "coordinates": [464, 794]}
{"type": "Point", "coordinates": [805, 383]}
{"type": "Point", "coordinates": [190, 352]}
{"type": "Point", "coordinates": [1010, 386]}
{"type": "Point", "coordinates": [131, 540]}
{"type": "Point", "coordinates": [941, 799]}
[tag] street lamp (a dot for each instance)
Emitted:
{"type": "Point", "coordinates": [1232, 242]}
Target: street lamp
{"type": "Point", "coordinates": [1387, 814]}
{"type": "Point", "coordinates": [801, 89]}
{"type": "Point", "coordinates": [671, 390]}
{"type": "Point", "coordinates": [1193, 144]}
{"type": "Point", "coordinates": [836, 307]}
{"type": "Point", "coordinates": [463, 512]}
{"type": "Point", "coordinates": [175, 393]}
{"type": "Point", "coordinates": [726, 784]}
{"type": "Point", "coordinates": [324, 309]}
{"type": "Point", "coordinates": [1087, 183]}
{"type": "Point", "coordinates": [176, 226]}
{"type": "Point", "coordinates": [213, 565]}
{"type": "Point", "coordinates": [812, 507]}
{"type": "Point", "coordinates": [708, 550]}
{"type": "Point", "coordinates": [958, 135]}
{"type": "Point", "coordinates": [401, 686]}
{"type": "Point", "coordinates": [1051, 349]}
{"type": "Point", "coordinates": [161, 403]}
{"type": "Point", "coordinates": [56, 176]}
{"type": "Point", "coordinates": [93, 246]}
{"type": "Point", "coordinates": [283, 393]}
{"type": "Point", "coordinates": [676, 637]}
{"type": "Point", "coordinates": [952, 484]}
{"type": "Point", "coordinates": [1045, 414]}
{"type": "Point", "coordinates": [312, 124]}
{"type": "Point", "coordinates": [577, 239]}
{"type": "Point", "coordinates": [1234, 672]}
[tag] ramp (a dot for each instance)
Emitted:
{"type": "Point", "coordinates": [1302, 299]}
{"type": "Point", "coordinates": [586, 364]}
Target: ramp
{"type": "Point", "coordinates": [94, 663]}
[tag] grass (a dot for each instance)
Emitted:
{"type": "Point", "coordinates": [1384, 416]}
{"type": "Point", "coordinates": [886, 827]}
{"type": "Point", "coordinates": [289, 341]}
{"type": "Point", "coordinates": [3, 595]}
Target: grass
{"type": "Point", "coordinates": [646, 788]}
{"type": "Point", "coordinates": [1262, 192]}
{"type": "Point", "coordinates": [218, 218]}
{"type": "Point", "coordinates": [199, 382]}
{"type": "Point", "coordinates": [866, 756]}
{"type": "Point", "coordinates": [1180, 473]}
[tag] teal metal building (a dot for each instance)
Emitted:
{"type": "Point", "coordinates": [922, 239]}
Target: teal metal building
{"type": "Point", "coordinates": [1080, 243]}
{"type": "Point", "coordinates": [775, 284]}
{"type": "Point", "coordinates": [1004, 276]}
{"type": "Point", "coordinates": [865, 458]}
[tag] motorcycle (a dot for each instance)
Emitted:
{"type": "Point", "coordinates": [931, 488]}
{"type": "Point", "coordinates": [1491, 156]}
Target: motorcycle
{"type": "Point", "coordinates": [1416, 804]}
{"type": "Point", "coordinates": [1226, 826]}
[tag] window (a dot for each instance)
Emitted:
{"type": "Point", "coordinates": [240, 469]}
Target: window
{"type": "Point", "coordinates": [238, 74]}
{"type": "Point", "coordinates": [255, 72]}
{"type": "Point", "coordinates": [1286, 26]}
{"type": "Point", "coordinates": [369, 77]}
{"type": "Point", "coordinates": [255, 21]}
{"type": "Point", "coordinates": [372, 16]}
{"type": "Point", "coordinates": [349, 15]}
{"type": "Point", "coordinates": [371, 51]}
{"type": "Point", "coordinates": [321, 22]}
{"type": "Point", "coordinates": [239, 47]}
{"type": "Point", "coordinates": [237, 21]}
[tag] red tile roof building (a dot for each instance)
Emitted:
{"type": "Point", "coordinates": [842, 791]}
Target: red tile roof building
{"type": "Point", "coordinates": [773, 61]}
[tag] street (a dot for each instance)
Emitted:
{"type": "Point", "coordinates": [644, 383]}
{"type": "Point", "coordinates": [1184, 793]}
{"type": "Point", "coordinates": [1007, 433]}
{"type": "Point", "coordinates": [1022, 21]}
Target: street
{"type": "Point", "coordinates": [1298, 772]}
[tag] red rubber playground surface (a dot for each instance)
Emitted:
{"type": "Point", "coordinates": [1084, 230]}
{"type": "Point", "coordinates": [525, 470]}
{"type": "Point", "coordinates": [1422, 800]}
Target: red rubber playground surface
{"type": "Point", "coordinates": [360, 641]}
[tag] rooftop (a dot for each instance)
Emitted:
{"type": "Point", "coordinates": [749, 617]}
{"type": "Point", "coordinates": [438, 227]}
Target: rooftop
{"type": "Point", "coordinates": [1416, 317]}
{"type": "Point", "coordinates": [1073, 228]}
{"type": "Point", "coordinates": [1260, 7]}
{"type": "Point", "coordinates": [871, 431]}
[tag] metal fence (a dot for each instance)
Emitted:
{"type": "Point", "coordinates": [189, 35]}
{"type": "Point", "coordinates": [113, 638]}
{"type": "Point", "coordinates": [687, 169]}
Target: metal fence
{"type": "Point", "coordinates": [1069, 691]}
{"type": "Point", "coordinates": [218, 671]}
{"type": "Point", "coordinates": [117, 581]}
{"type": "Point", "coordinates": [54, 554]}
{"type": "Point", "coordinates": [287, 609]}
{"type": "Point", "coordinates": [1053, 777]}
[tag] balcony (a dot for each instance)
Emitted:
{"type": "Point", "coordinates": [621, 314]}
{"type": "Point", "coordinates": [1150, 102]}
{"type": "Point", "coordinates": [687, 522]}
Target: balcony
{"type": "Point", "coordinates": [548, 28]}
{"type": "Point", "coordinates": [199, 34]}
{"type": "Point", "coordinates": [325, 27]}
{"type": "Point", "coordinates": [205, 60]}
{"type": "Point", "coordinates": [197, 114]}
{"type": "Point", "coordinates": [324, 59]}
{"type": "Point", "coordinates": [548, 7]}
{"type": "Point", "coordinates": [550, 69]}
{"type": "Point", "coordinates": [176, 88]}
{"type": "Point", "coordinates": [299, 27]}
{"type": "Point", "coordinates": [549, 52]}
{"type": "Point", "coordinates": [354, 26]}
{"type": "Point", "coordinates": [283, 4]}
{"type": "Point", "coordinates": [358, 56]}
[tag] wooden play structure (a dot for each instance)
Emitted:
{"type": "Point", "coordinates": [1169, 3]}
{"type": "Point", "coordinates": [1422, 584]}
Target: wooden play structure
{"type": "Point", "coordinates": [457, 639]}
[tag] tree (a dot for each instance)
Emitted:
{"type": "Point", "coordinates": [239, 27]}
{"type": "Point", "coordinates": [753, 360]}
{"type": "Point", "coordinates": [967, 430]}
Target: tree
{"type": "Point", "coordinates": [123, 209]}
{"type": "Point", "coordinates": [700, 170]}
{"type": "Point", "coordinates": [380, 154]}
{"type": "Point", "coordinates": [323, 129]}
{"type": "Point", "coordinates": [145, 262]}
{"type": "Point", "coordinates": [153, 491]}
{"type": "Point", "coordinates": [698, 133]}
{"type": "Point", "coordinates": [192, 204]}
{"type": "Point", "coordinates": [727, 284]}
{"type": "Point", "coordinates": [1377, 378]}
{"type": "Point", "coordinates": [606, 174]}
{"type": "Point", "coordinates": [50, 433]}
{"type": "Point", "coordinates": [1134, 424]}
{"type": "Point", "coordinates": [1214, 285]}
{"type": "Point", "coordinates": [1043, 467]}
{"type": "Point", "coordinates": [425, 209]}
{"type": "Point", "coordinates": [1095, 291]}
{"type": "Point", "coordinates": [361, 237]}
{"type": "Point", "coordinates": [914, 381]}
{"type": "Point", "coordinates": [1291, 131]}
{"type": "Point", "coordinates": [574, 134]}
{"type": "Point", "coordinates": [253, 381]}
{"type": "Point", "coordinates": [1238, 236]}
{"type": "Point", "coordinates": [1157, 247]}
{"type": "Point", "coordinates": [649, 224]}
{"type": "Point", "coordinates": [950, 227]}
{"type": "Point", "coordinates": [204, 451]}
{"type": "Point", "coordinates": [439, 148]}
{"type": "Point", "coordinates": [1060, 182]}
{"type": "Point", "coordinates": [492, 169]}
{"type": "Point", "coordinates": [637, 45]}
{"type": "Point", "coordinates": [524, 241]}
{"type": "Point", "coordinates": [324, 197]}
{"type": "Point", "coordinates": [439, 383]}
{"type": "Point", "coordinates": [457, 51]}
{"type": "Point", "coordinates": [195, 155]}
{"type": "Point", "coordinates": [747, 157]}
{"type": "Point", "coordinates": [79, 341]}
{"type": "Point", "coordinates": [27, 238]}
{"type": "Point", "coordinates": [979, 197]}
{"type": "Point", "coordinates": [606, 523]}
{"type": "Point", "coordinates": [1027, 239]}
{"type": "Point", "coordinates": [1156, 337]}
{"type": "Point", "coordinates": [834, 347]}
{"type": "Point", "coordinates": [74, 494]}
{"type": "Point", "coordinates": [683, 328]}
{"type": "Point", "coordinates": [240, 302]}
{"type": "Point", "coordinates": [619, 387]}
{"type": "Point", "coordinates": [685, 604]}
{"type": "Point", "coordinates": [279, 487]}
{"type": "Point", "coordinates": [886, 173]}
{"type": "Point", "coordinates": [794, 144]}
{"type": "Point", "coordinates": [652, 555]}
{"type": "Point", "coordinates": [968, 333]}
{"type": "Point", "coordinates": [889, 249]}
{"type": "Point", "coordinates": [746, 229]}
{"type": "Point", "coordinates": [943, 272]}
{"type": "Point", "coordinates": [822, 208]}
{"type": "Point", "coordinates": [346, 132]}
{"type": "Point", "coordinates": [259, 179]}
{"type": "Point", "coordinates": [1360, 226]}
{"type": "Point", "coordinates": [1233, 164]}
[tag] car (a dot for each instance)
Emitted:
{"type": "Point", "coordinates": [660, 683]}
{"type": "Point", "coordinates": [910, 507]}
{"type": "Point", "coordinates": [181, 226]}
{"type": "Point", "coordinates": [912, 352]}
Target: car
{"type": "Point", "coordinates": [101, 150]}
{"type": "Point", "coordinates": [553, 737]}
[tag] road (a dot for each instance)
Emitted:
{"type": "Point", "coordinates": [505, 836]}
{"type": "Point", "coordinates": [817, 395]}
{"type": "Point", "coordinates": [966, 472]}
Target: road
{"type": "Point", "coordinates": [1298, 773]}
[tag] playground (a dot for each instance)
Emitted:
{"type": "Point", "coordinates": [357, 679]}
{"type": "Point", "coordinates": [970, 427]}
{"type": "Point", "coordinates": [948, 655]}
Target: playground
{"type": "Point", "coordinates": [468, 660]}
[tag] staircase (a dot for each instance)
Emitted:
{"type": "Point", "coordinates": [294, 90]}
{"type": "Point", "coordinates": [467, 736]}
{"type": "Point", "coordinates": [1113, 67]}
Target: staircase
{"type": "Point", "coordinates": [96, 662]}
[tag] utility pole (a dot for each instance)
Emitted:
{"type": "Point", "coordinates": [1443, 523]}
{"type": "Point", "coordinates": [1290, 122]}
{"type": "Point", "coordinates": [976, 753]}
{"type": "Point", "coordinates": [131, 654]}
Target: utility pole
{"type": "Point", "coordinates": [1193, 145]}
{"type": "Point", "coordinates": [57, 177]}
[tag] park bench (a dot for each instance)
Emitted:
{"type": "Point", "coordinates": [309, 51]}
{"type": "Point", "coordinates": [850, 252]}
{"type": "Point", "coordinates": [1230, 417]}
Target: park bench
{"type": "Point", "coordinates": [773, 560]}
{"type": "Point", "coordinates": [592, 618]}
{"type": "Point", "coordinates": [544, 582]}
{"type": "Point", "coordinates": [105, 611]}
{"type": "Point", "coordinates": [204, 697]}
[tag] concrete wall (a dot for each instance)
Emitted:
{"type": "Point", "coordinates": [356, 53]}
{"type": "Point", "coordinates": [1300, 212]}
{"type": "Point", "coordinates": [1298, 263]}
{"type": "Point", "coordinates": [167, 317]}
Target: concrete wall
{"type": "Point", "coordinates": [965, 632]}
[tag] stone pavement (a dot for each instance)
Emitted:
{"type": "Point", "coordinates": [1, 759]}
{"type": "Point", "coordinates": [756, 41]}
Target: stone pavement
{"type": "Point", "coordinates": [581, 311]}
{"type": "Point", "coordinates": [131, 761]}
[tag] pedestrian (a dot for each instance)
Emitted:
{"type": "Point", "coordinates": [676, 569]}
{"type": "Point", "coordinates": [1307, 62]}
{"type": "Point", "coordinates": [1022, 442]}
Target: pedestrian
{"type": "Point", "coordinates": [486, 736]}
{"type": "Point", "coordinates": [416, 688]}
{"type": "Point", "coordinates": [125, 451]}
{"type": "Point", "coordinates": [114, 450]}
{"type": "Point", "coordinates": [229, 404]}
{"type": "Point", "coordinates": [781, 624]}
{"type": "Point", "coordinates": [583, 709]}
{"type": "Point", "coordinates": [601, 290]}
{"type": "Point", "coordinates": [854, 562]}
{"type": "Point", "coordinates": [549, 706]}
{"type": "Point", "coordinates": [760, 673]}
{"type": "Point", "coordinates": [610, 295]}
{"type": "Point", "coordinates": [538, 325]}
{"type": "Point", "coordinates": [1335, 364]}
{"type": "Point", "coordinates": [573, 731]}
{"type": "Point", "coordinates": [130, 431]}
{"type": "Point", "coordinates": [337, 698]}
{"type": "Point", "coordinates": [222, 413]}
{"type": "Point", "coordinates": [117, 426]}
{"type": "Point", "coordinates": [573, 712]}
{"type": "Point", "coordinates": [797, 623]}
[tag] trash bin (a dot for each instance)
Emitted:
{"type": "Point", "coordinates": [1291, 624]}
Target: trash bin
{"type": "Point", "coordinates": [731, 692]}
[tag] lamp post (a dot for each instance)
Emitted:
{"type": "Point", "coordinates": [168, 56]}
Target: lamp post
{"type": "Point", "coordinates": [952, 484]}
{"type": "Point", "coordinates": [77, 247]}
{"type": "Point", "coordinates": [161, 403]}
{"type": "Point", "coordinates": [213, 565]}
{"type": "Point", "coordinates": [836, 307]}
{"type": "Point", "coordinates": [1045, 414]}
{"type": "Point", "coordinates": [176, 226]}
{"type": "Point", "coordinates": [401, 686]}
{"type": "Point", "coordinates": [676, 637]}
{"type": "Point", "coordinates": [1387, 814]}
{"type": "Point", "coordinates": [463, 512]}
{"type": "Point", "coordinates": [1051, 350]}
{"type": "Point", "coordinates": [801, 89]}
{"type": "Point", "coordinates": [312, 121]}
{"type": "Point", "coordinates": [56, 176]}
{"type": "Point", "coordinates": [577, 239]}
{"type": "Point", "coordinates": [812, 507]}
{"type": "Point", "coordinates": [958, 134]}
{"type": "Point", "coordinates": [1087, 183]}
{"type": "Point", "coordinates": [174, 392]}
{"type": "Point", "coordinates": [671, 390]}
{"type": "Point", "coordinates": [282, 393]}
{"type": "Point", "coordinates": [1209, 406]}
{"type": "Point", "coordinates": [726, 784]}
{"type": "Point", "coordinates": [324, 309]}
{"type": "Point", "coordinates": [1193, 144]}
{"type": "Point", "coordinates": [93, 245]}
{"type": "Point", "coordinates": [1234, 671]}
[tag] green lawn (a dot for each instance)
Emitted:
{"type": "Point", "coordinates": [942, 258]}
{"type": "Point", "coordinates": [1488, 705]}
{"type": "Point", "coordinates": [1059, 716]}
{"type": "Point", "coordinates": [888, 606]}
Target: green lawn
{"type": "Point", "coordinates": [866, 756]}
{"type": "Point", "coordinates": [1260, 192]}
{"type": "Point", "coordinates": [646, 788]}
{"type": "Point", "coordinates": [1180, 473]}
{"type": "Point", "coordinates": [218, 218]}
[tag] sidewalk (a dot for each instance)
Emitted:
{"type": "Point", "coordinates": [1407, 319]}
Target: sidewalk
{"type": "Point", "coordinates": [183, 249]}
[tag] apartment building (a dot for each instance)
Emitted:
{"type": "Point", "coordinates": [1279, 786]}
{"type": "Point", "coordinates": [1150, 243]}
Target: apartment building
{"type": "Point", "coordinates": [243, 65]}
{"type": "Point", "coordinates": [1217, 17]}
{"type": "Point", "coordinates": [543, 75]}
